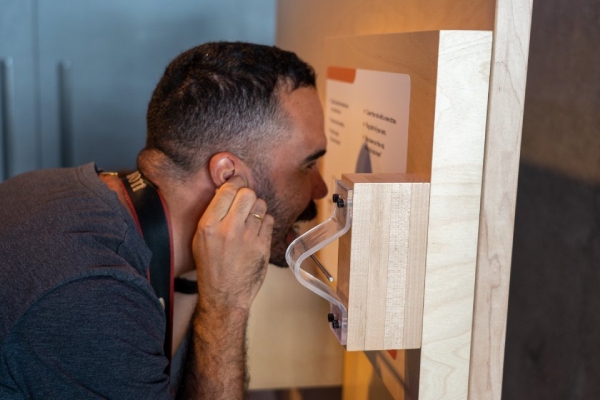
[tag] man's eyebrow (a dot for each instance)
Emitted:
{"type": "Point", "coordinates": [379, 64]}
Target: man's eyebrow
{"type": "Point", "coordinates": [314, 156]}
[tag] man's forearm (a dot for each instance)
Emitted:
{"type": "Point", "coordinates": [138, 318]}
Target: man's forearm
{"type": "Point", "coordinates": [231, 251]}
{"type": "Point", "coordinates": [216, 359]}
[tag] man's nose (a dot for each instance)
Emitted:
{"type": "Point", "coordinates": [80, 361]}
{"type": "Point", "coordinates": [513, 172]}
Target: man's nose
{"type": "Point", "coordinates": [319, 188]}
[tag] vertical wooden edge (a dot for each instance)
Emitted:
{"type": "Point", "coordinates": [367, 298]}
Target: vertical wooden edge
{"type": "Point", "coordinates": [343, 270]}
{"type": "Point", "coordinates": [397, 261]}
{"type": "Point", "coordinates": [459, 137]}
{"type": "Point", "coordinates": [415, 283]}
{"type": "Point", "coordinates": [379, 270]}
{"type": "Point", "coordinates": [343, 273]}
{"type": "Point", "coordinates": [359, 268]}
{"type": "Point", "coordinates": [500, 175]}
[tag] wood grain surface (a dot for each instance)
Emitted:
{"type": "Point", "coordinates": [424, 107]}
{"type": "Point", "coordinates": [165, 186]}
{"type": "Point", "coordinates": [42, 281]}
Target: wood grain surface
{"type": "Point", "coordinates": [386, 265]}
{"type": "Point", "coordinates": [498, 197]}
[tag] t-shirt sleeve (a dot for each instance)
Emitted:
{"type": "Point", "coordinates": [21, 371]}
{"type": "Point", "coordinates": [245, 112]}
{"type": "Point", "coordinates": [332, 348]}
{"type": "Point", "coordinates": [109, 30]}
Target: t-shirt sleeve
{"type": "Point", "coordinates": [91, 338]}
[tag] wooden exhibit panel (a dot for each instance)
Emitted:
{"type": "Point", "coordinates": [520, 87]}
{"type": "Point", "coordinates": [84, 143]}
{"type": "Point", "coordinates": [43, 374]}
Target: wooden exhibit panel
{"type": "Point", "coordinates": [449, 73]}
{"type": "Point", "coordinates": [303, 27]}
{"type": "Point", "coordinates": [381, 266]}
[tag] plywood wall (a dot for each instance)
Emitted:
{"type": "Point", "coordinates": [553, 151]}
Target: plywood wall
{"type": "Point", "coordinates": [302, 26]}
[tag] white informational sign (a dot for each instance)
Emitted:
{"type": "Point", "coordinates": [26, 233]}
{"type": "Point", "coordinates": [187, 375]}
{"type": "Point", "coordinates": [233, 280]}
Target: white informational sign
{"type": "Point", "coordinates": [366, 122]}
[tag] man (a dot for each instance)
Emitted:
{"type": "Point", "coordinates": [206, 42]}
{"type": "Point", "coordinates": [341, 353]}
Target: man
{"type": "Point", "coordinates": [234, 134]}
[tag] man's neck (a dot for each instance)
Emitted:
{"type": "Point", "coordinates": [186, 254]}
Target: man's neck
{"type": "Point", "coordinates": [185, 205]}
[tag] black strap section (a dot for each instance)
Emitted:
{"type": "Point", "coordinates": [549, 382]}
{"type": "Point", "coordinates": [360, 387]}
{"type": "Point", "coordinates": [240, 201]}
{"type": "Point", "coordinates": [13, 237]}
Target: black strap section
{"type": "Point", "coordinates": [155, 230]}
{"type": "Point", "coordinates": [186, 286]}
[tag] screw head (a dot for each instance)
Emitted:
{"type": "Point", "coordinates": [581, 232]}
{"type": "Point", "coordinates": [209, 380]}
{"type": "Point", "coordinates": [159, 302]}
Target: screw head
{"type": "Point", "coordinates": [335, 324]}
{"type": "Point", "coordinates": [330, 317]}
{"type": "Point", "coordinates": [338, 200]}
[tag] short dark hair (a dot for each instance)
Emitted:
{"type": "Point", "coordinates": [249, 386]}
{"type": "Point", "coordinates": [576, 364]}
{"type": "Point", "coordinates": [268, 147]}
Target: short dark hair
{"type": "Point", "coordinates": [221, 97]}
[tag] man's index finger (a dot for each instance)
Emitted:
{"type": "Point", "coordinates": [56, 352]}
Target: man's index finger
{"type": "Point", "coordinates": [221, 203]}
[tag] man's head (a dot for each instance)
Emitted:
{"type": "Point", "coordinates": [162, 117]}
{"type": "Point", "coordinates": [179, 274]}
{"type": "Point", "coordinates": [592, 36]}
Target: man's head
{"type": "Point", "coordinates": [222, 95]}
{"type": "Point", "coordinates": [254, 104]}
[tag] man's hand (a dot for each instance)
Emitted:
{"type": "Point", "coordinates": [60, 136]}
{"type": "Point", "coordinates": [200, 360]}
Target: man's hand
{"type": "Point", "coordinates": [231, 250]}
{"type": "Point", "coordinates": [232, 247]}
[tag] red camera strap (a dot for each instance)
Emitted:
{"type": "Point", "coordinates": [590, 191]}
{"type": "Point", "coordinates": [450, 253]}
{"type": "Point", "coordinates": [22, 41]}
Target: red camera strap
{"type": "Point", "coordinates": [151, 215]}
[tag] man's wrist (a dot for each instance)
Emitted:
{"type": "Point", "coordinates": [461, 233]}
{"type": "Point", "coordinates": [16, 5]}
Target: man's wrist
{"type": "Point", "coordinates": [230, 315]}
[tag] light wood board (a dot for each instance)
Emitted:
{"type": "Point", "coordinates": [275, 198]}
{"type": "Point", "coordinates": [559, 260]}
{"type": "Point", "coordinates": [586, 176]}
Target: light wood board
{"type": "Point", "coordinates": [498, 199]}
{"type": "Point", "coordinates": [461, 109]}
{"type": "Point", "coordinates": [383, 276]}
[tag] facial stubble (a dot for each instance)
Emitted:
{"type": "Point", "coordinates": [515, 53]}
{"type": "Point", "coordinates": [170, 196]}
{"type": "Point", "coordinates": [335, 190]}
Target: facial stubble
{"type": "Point", "coordinates": [282, 214]}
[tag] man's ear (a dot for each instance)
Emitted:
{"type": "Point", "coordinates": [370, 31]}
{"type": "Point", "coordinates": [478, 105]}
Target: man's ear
{"type": "Point", "coordinates": [224, 165]}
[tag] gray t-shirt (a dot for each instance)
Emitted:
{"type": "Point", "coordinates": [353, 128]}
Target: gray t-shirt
{"type": "Point", "coordinates": [78, 318]}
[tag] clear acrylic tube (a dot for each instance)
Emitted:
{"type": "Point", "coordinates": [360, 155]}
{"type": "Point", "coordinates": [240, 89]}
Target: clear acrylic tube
{"type": "Point", "coordinates": [314, 240]}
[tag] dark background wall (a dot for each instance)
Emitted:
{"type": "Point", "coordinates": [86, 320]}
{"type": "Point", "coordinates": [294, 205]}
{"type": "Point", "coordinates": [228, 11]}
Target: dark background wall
{"type": "Point", "coordinates": [76, 76]}
{"type": "Point", "coordinates": [553, 334]}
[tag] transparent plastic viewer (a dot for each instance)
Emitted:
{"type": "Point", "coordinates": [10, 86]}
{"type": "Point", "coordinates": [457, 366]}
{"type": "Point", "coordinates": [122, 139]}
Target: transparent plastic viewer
{"type": "Point", "coordinates": [314, 240]}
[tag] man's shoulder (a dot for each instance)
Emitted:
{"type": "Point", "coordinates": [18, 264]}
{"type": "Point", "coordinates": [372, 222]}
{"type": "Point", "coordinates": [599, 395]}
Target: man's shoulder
{"type": "Point", "coordinates": [60, 289]}
{"type": "Point", "coordinates": [60, 233]}
{"type": "Point", "coordinates": [94, 329]}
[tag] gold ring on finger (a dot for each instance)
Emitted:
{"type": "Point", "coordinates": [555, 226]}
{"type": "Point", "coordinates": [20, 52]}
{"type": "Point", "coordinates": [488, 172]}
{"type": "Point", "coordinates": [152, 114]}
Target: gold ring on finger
{"type": "Point", "coordinates": [258, 216]}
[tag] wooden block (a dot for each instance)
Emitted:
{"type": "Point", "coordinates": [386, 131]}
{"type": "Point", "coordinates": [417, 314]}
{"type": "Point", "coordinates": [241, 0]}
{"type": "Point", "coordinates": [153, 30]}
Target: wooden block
{"type": "Point", "coordinates": [382, 261]}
